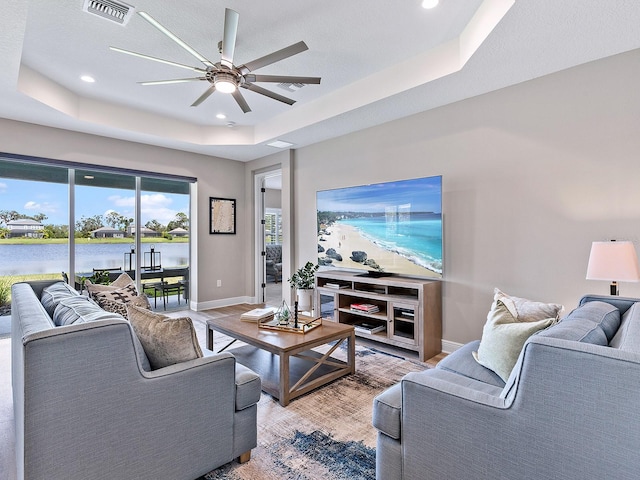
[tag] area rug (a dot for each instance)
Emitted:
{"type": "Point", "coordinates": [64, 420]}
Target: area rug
{"type": "Point", "coordinates": [326, 434]}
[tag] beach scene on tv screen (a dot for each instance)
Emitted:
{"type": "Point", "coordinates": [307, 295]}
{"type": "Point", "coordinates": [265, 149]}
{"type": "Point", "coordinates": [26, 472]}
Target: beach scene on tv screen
{"type": "Point", "coordinates": [387, 228]}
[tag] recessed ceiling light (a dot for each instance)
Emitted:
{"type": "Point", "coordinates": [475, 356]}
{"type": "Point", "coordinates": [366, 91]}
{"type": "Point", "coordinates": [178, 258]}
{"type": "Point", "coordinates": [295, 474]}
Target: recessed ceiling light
{"type": "Point", "coordinates": [87, 78]}
{"type": "Point", "coordinates": [280, 144]}
{"type": "Point", "coordinates": [430, 3]}
{"type": "Point", "coordinates": [89, 177]}
{"type": "Point", "coordinates": [221, 116]}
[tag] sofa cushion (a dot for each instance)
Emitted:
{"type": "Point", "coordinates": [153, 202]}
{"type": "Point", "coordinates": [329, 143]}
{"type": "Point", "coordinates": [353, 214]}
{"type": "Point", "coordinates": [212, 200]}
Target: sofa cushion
{"type": "Point", "coordinates": [463, 363]}
{"type": "Point", "coordinates": [52, 295]}
{"type": "Point", "coordinates": [628, 335]}
{"type": "Point", "coordinates": [505, 333]}
{"type": "Point", "coordinates": [165, 340]}
{"type": "Point", "coordinates": [579, 330]}
{"type": "Point", "coordinates": [80, 309]}
{"type": "Point", "coordinates": [387, 411]}
{"type": "Point", "coordinates": [605, 315]}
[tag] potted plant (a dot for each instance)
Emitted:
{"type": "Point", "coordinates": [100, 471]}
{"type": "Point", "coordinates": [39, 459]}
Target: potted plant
{"type": "Point", "coordinates": [303, 280]}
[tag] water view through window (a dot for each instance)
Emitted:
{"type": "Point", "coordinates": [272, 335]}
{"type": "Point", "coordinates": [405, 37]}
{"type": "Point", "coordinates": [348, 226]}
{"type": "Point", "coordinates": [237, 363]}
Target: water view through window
{"type": "Point", "coordinates": [108, 210]}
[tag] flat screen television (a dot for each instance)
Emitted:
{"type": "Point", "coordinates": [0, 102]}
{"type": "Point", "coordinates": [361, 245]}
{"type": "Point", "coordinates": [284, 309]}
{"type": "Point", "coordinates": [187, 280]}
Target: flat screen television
{"type": "Point", "coordinates": [383, 228]}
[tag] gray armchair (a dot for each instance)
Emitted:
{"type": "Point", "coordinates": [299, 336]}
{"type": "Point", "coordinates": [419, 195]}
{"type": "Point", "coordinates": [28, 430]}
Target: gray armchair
{"type": "Point", "coordinates": [274, 262]}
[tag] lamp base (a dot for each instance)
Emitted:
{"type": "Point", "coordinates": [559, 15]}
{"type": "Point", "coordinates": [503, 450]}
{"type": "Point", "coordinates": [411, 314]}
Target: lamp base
{"type": "Point", "coordinates": [613, 288]}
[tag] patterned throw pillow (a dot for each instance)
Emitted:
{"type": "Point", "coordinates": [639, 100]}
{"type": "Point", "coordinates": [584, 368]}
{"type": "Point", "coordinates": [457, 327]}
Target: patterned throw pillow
{"type": "Point", "coordinates": [122, 295]}
{"type": "Point", "coordinates": [122, 281]}
{"type": "Point", "coordinates": [121, 307]}
{"type": "Point", "coordinates": [165, 340]}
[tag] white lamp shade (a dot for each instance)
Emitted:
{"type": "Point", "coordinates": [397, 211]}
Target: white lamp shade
{"type": "Point", "coordinates": [613, 261]}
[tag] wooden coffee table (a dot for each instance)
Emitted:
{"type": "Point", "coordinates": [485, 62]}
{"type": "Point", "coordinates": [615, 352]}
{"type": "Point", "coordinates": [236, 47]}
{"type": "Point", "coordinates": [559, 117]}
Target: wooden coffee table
{"type": "Point", "coordinates": [284, 360]}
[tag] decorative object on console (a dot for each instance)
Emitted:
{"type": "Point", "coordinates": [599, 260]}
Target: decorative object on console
{"type": "Point", "coordinates": [303, 280]}
{"type": "Point", "coordinates": [613, 261]}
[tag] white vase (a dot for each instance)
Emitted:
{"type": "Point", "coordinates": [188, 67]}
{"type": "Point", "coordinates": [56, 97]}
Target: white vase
{"type": "Point", "coordinates": [305, 299]}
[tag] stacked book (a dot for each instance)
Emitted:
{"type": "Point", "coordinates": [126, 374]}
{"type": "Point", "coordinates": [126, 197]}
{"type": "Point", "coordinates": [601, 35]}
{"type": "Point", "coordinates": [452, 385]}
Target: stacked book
{"type": "Point", "coordinates": [364, 327]}
{"type": "Point", "coordinates": [258, 315]}
{"type": "Point", "coordinates": [364, 308]}
{"type": "Point", "coordinates": [335, 285]}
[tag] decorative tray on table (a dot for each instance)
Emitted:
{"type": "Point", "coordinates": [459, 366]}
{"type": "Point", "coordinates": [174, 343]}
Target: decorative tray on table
{"type": "Point", "coordinates": [305, 324]}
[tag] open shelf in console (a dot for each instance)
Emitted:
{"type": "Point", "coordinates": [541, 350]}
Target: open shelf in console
{"type": "Point", "coordinates": [401, 311]}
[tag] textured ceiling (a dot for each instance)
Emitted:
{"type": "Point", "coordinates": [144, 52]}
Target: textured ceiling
{"type": "Point", "coordinates": [378, 60]}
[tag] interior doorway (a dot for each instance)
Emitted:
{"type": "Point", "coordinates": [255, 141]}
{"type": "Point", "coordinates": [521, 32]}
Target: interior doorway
{"type": "Point", "coordinates": [270, 237]}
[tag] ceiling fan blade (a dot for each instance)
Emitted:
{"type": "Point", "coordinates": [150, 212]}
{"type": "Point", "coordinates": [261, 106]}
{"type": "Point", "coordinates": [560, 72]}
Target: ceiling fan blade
{"type": "Point", "coordinates": [176, 80]}
{"type": "Point", "coordinates": [268, 93]}
{"type": "Point", "coordinates": [273, 57]}
{"type": "Point", "coordinates": [204, 96]}
{"type": "Point", "coordinates": [281, 79]}
{"type": "Point", "coordinates": [237, 96]}
{"type": "Point", "coordinates": [156, 59]}
{"type": "Point", "coordinates": [173, 37]}
{"type": "Point", "coordinates": [229, 37]}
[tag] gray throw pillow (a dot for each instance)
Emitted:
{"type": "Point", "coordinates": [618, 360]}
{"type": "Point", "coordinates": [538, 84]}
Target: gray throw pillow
{"type": "Point", "coordinates": [165, 340]}
{"type": "Point", "coordinates": [80, 309]}
{"type": "Point", "coordinates": [52, 295]}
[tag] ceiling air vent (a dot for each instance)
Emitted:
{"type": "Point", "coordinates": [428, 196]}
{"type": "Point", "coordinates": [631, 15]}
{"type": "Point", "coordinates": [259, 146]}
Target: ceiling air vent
{"type": "Point", "coordinates": [291, 87]}
{"type": "Point", "coordinates": [115, 11]}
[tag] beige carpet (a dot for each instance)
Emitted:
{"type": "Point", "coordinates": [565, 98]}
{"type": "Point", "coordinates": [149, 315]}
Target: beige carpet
{"type": "Point", "coordinates": [326, 434]}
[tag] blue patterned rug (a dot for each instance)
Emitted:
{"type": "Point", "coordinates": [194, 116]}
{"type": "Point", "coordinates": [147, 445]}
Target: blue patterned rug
{"type": "Point", "coordinates": [326, 434]}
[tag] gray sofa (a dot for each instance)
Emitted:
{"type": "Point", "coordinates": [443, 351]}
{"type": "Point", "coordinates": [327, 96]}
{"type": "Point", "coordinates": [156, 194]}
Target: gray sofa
{"type": "Point", "coordinates": [88, 406]}
{"type": "Point", "coordinates": [568, 411]}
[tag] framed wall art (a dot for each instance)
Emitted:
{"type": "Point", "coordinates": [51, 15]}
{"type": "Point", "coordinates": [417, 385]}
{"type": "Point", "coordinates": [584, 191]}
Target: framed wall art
{"type": "Point", "coordinates": [222, 215]}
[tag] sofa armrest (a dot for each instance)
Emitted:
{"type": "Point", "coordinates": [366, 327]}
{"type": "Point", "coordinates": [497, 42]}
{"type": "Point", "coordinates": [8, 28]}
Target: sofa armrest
{"type": "Point", "coordinates": [248, 387]}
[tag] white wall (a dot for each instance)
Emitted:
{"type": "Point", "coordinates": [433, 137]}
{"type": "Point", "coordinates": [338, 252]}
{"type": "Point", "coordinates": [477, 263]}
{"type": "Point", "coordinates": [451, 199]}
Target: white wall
{"type": "Point", "coordinates": [531, 176]}
{"type": "Point", "coordinates": [213, 256]}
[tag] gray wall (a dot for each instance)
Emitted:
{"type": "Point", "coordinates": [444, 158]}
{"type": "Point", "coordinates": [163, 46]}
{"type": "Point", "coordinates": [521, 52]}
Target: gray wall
{"type": "Point", "coordinates": [213, 256]}
{"type": "Point", "coordinates": [531, 176]}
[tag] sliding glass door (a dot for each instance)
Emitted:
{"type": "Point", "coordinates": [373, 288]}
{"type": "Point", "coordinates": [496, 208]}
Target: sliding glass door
{"type": "Point", "coordinates": [58, 217]}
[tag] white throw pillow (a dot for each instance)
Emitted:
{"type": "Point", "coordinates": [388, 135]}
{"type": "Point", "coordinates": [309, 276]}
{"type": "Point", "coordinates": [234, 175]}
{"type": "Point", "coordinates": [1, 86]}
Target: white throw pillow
{"type": "Point", "coordinates": [510, 322]}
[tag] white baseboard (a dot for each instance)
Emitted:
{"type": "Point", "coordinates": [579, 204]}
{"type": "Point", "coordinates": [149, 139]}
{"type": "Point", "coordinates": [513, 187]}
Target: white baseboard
{"type": "Point", "coordinates": [224, 302]}
{"type": "Point", "coordinates": [450, 347]}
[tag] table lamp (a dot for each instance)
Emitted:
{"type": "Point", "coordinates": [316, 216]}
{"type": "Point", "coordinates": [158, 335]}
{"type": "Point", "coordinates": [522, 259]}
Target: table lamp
{"type": "Point", "coordinates": [613, 261]}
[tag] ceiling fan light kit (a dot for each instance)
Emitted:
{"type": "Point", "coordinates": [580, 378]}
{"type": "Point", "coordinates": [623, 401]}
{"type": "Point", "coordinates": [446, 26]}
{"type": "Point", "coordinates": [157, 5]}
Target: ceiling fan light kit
{"type": "Point", "coordinates": [224, 76]}
{"type": "Point", "coordinates": [225, 82]}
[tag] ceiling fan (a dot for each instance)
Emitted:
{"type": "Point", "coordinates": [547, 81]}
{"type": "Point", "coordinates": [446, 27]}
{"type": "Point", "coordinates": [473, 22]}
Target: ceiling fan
{"type": "Point", "coordinates": [224, 76]}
